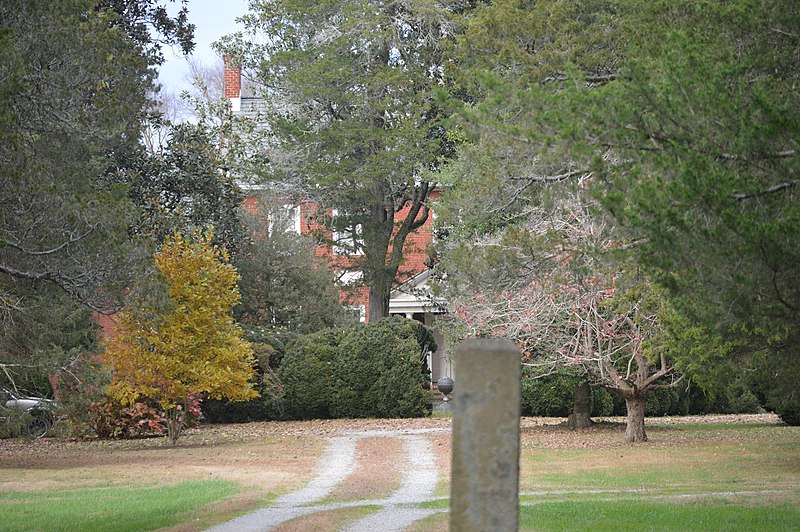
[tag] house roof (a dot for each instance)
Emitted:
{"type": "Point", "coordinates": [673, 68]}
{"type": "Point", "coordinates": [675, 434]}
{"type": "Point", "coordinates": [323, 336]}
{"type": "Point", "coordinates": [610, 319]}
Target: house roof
{"type": "Point", "coordinates": [415, 296]}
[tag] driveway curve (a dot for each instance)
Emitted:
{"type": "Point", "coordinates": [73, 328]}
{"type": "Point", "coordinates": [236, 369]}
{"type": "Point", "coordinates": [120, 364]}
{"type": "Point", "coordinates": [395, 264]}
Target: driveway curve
{"type": "Point", "coordinates": [419, 476]}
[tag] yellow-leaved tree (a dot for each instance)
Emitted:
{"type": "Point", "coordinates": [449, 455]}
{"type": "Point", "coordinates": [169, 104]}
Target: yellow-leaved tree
{"type": "Point", "coordinates": [193, 347]}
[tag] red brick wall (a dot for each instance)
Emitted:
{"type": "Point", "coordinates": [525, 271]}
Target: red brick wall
{"type": "Point", "coordinates": [415, 252]}
{"type": "Point", "coordinates": [232, 79]}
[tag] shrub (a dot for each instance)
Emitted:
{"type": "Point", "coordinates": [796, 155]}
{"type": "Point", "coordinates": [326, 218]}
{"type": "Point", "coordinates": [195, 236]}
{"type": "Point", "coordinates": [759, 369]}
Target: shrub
{"type": "Point", "coordinates": [268, 349]}
{"type": "Point", "coordinates": [378, 370]}
{"type": "Point", "coordinates": [602, 402]}
{"type": "Point", "coordinates": [306, 375]}
{"type": "Point", "coordinates": [550, 396]}
{"type": "Point", "coordinates": [553, 396]}
{"type": "Point", "coordinates": [381, 371]}
{"type": "Point", "coordinates": [80, 391]}
{"type": "Point", "coordinates": [108, 418]}
{"type": "Point", "coordinates": [789, 413]}
{"type": "Point", "coordinates": [775, 379]}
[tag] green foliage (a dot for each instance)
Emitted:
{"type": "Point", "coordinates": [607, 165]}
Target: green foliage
{"type": "Point", "coordinates": [73, 91]}
{"type": "Point", "coordinates": [307, 375]}
{"type": "Point", "coordinates": [186, 186]}
{"type": "Point", "coordinates": [149, 25]}
{"type": "Point", "coordinates": [354, 119]}
{"type": "Point", "coordinates": [284, 285]}
{"type": "Point", "coordinates": [79, 391]}
{"type": "Point", "coordinates": [268, 350]}
{"type": "Point", "coordinates": [706, 123]}
{"type": "Point", "coordinates": [553, 396]}
{"type": "Point", "coordinates": [683, 116]}
{"type": "Point", "coordinates": [775, 381]}
{"type": "Point", "coordinates": [45, 338]}
{"type": "Point", "coordinates": [378, 370]}
{"type": "Point", "coordinates": [381, 371]}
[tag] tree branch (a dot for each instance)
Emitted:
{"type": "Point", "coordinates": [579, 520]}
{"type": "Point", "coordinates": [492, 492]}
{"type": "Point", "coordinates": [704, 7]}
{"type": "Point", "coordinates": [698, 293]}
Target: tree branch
{"type": "Point", "coordinates": [770, 190]}
{"type": "Point", "coordinates": [70, 240]}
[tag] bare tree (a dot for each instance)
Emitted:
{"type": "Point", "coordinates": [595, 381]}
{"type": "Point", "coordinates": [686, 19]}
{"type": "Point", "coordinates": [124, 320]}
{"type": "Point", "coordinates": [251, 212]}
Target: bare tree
{"type": "Point", "coordinates": [569, 303]}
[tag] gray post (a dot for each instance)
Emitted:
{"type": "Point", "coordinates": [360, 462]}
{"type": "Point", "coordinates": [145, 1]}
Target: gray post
{"type": "Point", "coordinates": [484, 485]}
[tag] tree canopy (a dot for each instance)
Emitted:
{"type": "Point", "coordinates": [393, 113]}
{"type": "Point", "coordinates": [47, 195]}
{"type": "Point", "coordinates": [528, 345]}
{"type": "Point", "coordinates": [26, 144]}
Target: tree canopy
{"type": "Point", "coordinates": [284, 284]}
{"type": "Point", "coordinates": [349, 85]}
{"type": "Point", "coordinates": [706, 122]}
{"type": "Point", "coordinates": [681, 116]}
{"type": "Point", "coordinates": [74, 83]}
{"type": "Point", "coordinates": [186, 185]}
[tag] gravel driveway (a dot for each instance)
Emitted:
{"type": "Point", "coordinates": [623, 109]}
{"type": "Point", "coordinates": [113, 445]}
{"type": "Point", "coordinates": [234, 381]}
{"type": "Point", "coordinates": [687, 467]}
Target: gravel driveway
{"type": "Point", "coordinates": [419, 476]}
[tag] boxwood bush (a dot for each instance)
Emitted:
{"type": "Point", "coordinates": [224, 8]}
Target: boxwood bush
{"type": "Point", "coordinates": [553, 396]}
{"type": "Point", "coordinates": [378, 370]}
{"type": "Point", "coordinates": [269, 348]}
{"type": "Point", "coordinates": [307, 375]}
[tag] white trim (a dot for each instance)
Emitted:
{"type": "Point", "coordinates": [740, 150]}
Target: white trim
{"type": "Point", "coordinates": [406, 298]}
{"type": "Point", "coordinates": [236, 104]}
{"type": "Point", "coordinates": [362, 312]}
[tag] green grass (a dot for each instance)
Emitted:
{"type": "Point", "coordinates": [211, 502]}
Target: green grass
{"type": "Point", "coordinates": [712, 463]}
{"type": "Point", "coordinates": [646, 515]}
{"type": "Point", "coordinates": [108, 508]}
{"type": "Point", "coordinates": [703, 477]}
{"type": "Point", "coordinates": [436, 505]}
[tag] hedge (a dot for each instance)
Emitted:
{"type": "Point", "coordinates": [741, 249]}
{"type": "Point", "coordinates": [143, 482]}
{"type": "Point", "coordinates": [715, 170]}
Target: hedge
{"type": "Point", "coordinates": [378, 370]}
{"type": "Point", "coordinates": [269, 346]}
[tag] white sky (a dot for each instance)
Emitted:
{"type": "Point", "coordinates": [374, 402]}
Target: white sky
{"type": "Point", "coordinates": [213, 19]}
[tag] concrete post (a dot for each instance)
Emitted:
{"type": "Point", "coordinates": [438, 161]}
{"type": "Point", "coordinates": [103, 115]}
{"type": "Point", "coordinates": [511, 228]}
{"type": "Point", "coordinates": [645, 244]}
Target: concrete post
{"type": "Point", "coordinates": [485, 461]}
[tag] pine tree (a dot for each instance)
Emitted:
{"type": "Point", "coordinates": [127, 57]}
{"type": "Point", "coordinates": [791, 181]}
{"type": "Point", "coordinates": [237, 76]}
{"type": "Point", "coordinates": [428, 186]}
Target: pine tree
{"type": "Point", "coordinates": [350, 90]}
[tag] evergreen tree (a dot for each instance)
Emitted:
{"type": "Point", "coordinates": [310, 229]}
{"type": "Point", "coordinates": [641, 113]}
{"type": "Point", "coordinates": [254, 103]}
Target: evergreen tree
{"type": "Point", "coordinates": [349, 86]}
{"type": "Point", "coordinates": [284, 284]}
{"type": "Point", "coordinates": [185, 185]}
{"type": "Point", "coordinates": [706, 122]}
{"type": "Point", "coordinates": [74, 80]}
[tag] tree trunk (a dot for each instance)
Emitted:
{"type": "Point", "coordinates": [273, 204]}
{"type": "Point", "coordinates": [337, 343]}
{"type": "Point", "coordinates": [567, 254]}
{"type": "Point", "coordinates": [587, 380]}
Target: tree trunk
{"type": "Point", "coordinates": [175, 422]}
{"type": "Point", "coordinates": [634, 432]}
{"type": "Point", "coordinates": [378, 301]}
{"type": "Point", "coordinates": [581, 407]}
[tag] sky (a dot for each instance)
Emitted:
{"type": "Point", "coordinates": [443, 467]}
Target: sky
{"type": "Point", "coordinates": [213, 19]}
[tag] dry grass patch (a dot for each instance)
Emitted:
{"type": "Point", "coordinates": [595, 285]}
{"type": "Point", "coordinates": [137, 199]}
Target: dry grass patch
{"type": "Point", "coordinates": [325, 521]}
{"type": "Point", "coordinates": [441, 445]}
{"type": "Point", "coordinates": [262, 465]}
{"type": "Point", "coordinates": [378, 470]}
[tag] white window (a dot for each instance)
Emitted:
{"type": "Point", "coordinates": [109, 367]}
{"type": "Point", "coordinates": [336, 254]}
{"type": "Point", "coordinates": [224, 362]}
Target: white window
{"type": "Point", "coordinates": [348, 278]}
{"type": "Point", "coordinates": [360, 311]}
{"type": "Point", "coordinates": [285, 218]}
{"type": "Point", "coordinates": [346, 240]}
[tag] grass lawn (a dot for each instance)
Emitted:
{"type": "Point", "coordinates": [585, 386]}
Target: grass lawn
{"type": "Point", "coordinates": [699, 476]}
{"type": "Point", "coordinates": [703, 515]}
{"type": "Point", "coordinates": [689, 476]}
{"type": "Point", "coordinates": [110, 508]}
